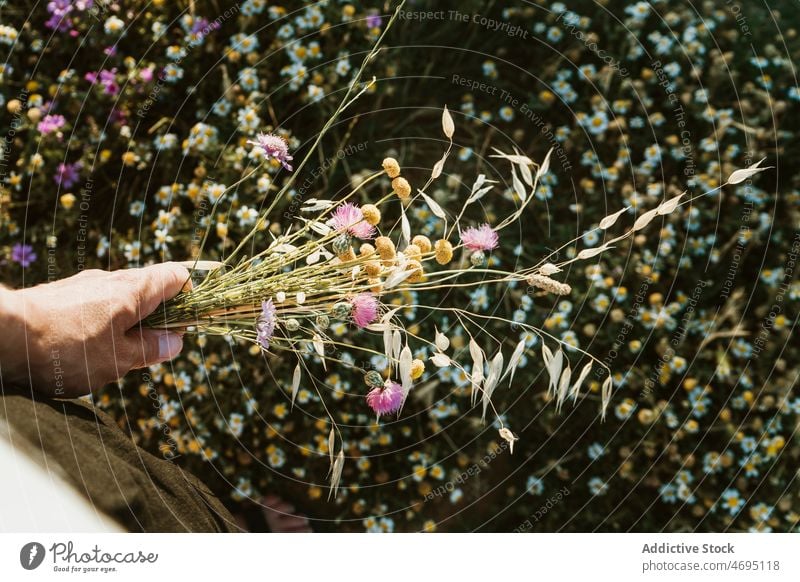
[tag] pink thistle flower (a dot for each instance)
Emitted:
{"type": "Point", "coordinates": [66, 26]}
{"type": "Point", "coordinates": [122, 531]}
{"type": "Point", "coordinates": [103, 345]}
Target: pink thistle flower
{"type": "Point", "coordinates": [386, 399]}
{"type": "Point", "coordinates": [265, 324]}
{"type": "Point", "coordinates": [482, 238]}
{"type": "Point", "coordinates": [274, 146]}
{"type": "Point", "coordinates": [349, 218]}
{"type": "Point", "coordinates": [365, 309]}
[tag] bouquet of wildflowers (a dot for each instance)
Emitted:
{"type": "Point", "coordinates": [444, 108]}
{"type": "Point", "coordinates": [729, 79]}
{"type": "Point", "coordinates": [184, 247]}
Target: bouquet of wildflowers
{"type": "Point", "coordinates": [340, 262]}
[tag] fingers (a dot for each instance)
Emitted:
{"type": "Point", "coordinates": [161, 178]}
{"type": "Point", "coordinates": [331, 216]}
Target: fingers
{"type": "Point", "coordinates": [150, 346]}
{"type": "Point", "coordinates": [155, 284]}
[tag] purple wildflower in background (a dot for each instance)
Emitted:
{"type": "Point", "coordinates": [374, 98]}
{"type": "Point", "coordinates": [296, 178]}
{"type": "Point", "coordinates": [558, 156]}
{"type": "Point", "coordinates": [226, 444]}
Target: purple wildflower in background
{"type": "Point", "coordinates": [23, 254]}
{"type": "Point", "coordinates": [201, 28]}
{"type": "Point", "coordinates": [265, 324]}
{"type": "Point", "coordinates": [60, 11]}
{"type": "Point", "coordinates": [374, 20]}
{"type": "Point", "coordinates": [67, 174]}
{"type": "Point", "coordinates": [108, 80]}
{"type": "Point", "coordinates": [274, 146]}
{"type": "Point", "coordinates": [51, 123]}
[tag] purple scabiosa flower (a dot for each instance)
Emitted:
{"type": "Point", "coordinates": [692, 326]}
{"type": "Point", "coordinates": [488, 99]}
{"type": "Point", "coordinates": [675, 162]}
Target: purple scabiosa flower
{"type": "Point", "coordinates": [23, 254]}
{"type": "Point", "coordinates": [274, 146]}
{"type": "Point", "coordinates": [67, 174]}
{"type": "Point", "coordinates": [365, 309]}
{"type": "Point", "coordinates": [265, 324]}
{"type": "Point", "coordinates": [374, 20]}
{"type": "Point", "coordinates": [386, 399]}
{"type": "Point", "coordinates": [482, 238]}
{"type": "Point", "coordinates": [350, 219]}
{"type": "Point", "coordinates": [51, 123]}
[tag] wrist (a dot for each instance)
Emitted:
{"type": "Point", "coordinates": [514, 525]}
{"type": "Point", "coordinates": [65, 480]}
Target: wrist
{"type": "Point", "coordinates": [20, 337]}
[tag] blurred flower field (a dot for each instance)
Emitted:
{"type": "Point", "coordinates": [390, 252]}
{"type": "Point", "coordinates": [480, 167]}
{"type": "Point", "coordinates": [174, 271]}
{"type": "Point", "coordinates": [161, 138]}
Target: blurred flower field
{"type": "Point", "coordinates": [124, 122]}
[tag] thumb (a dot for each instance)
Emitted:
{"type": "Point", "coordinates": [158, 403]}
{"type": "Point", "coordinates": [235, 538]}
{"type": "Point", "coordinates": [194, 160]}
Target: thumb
{"type": "Point", "coordinates": [157, 283]}
{"type": "Point", "coordinates": [151, 346]}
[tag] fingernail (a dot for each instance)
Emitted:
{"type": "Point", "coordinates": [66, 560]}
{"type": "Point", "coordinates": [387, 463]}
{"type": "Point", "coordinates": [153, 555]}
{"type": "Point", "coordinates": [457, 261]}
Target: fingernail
{"type": "Point", "coordinates": [169, 345]}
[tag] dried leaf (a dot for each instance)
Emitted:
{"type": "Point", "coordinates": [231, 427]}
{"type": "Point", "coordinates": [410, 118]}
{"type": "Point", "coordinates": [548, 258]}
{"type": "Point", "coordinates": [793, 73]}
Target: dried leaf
{"type": "Point", "coordinates": [547, 355]}
{"type": "Point", "coordinates": [605, 396]}
{"type": "Point", "coordinates": [295, 383]}
{"type": "Point", "coordinates": [609, 220]}
{"type": "Point", "coordinates": [739, 176]}
{"type": "Point", "coordinates": [519, 187]}
{"type": "Point", "coordinates": [495, 371]}
{"type": "Point", "coordinates": [563, 387]}
{"type": "Point", "coordinates": [669, 205]}
{"type": "Point", "coordinates": [397, 344]}
{"type": "Point", "coordinates": [319, 347]}
{"type": "Point", "coordinates": [525, 172]}
{"type": "Point", "coordinates": [336, 474]}
{"type": "Point", "coordinates": [434, 206]}
{"type": "Point", "coordinates": [513, 361]}
{"type": "Point", "coordinates": [314, 205]}
{"type": "Point", "coordinates": [644, 219]}
{"type": "Point", "coordinates": [576, 387]}
{"type": "Point", "coordinates": [406, 359]}
{"type": "Point", "coordinates": [513, 158]}
{"type": "Point", "coordinates": [509, 437]}
{"type": "Point", "coordinates": [554, 370]}
{"type": "Point", "coordinates": [440, 360]}
{"type": "Point", "coordinates": [405, 227]}
{"type": "Point", "coordinates": [331, 442]}
{"type": "Point", "coordinates": [478, 189]}
{"type": "Point", "coordinates": [319, 227]}
{"type": "Point", "coordinates": [589, 253]}
{"type": "Point", "coordinates": [397, 277]}
{"type": "Point", "coordinates": [447, 123]}
{"type": "Point", "coordinates": [478, 195]}
{"type": "Point", "coordinates": [442, 342]}
{"type": "Point", "coordinates": [545, 167]}
{"type": "Point", "coordinates": [387, 343]}
{"type": "Point", "coordinates": [438, 167]}
{"type": "Point", "coordinates": [549, 269]}
{"type": "Point", "coordinates": [477, 367]}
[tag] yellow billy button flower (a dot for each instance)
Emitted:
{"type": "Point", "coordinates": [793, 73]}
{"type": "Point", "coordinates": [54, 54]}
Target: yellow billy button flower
{"type": "Point", "coordinates": [386, 249]}
{"type": "Point", "coordinates": [371, 214]}
{"type": "Point", "coordinates": [366, 250]}
{"type": "Point", "coordinates": [347, 256]}
{"type": "Point", "coordinates": [417, 274]}
{"type": "Point", "coordinates": [422, 242]}
{"type": "Point", "coordinates": [444, 251]}
{"type": "Point", "coordinates": [402, 188]}
{"type": "Point", "coordinates": [417, 369]}
{"type": "Point", "coordinates": [373, 268]}
{"type": "Point", "coordinates": [391, 167]}
{"type": "Point", "coordinates": [412, 252]}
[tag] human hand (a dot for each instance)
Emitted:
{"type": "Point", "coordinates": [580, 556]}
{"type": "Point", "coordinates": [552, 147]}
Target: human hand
{"type": "Point", "coordinates": [75, 335]}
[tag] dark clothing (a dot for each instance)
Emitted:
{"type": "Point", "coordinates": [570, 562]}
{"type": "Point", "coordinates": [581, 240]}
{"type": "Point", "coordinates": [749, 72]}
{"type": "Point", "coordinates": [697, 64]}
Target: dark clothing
{"type": "Point", "coordinates": [140, 491]}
